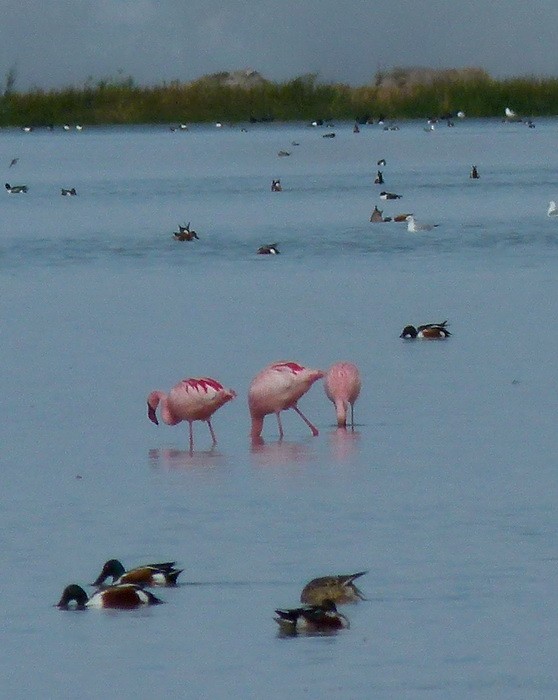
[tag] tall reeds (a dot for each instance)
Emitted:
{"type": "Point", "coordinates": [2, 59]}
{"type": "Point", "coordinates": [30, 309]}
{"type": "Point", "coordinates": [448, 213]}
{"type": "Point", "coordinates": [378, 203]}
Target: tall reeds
{"type": "Point", "coordinates": [400, 94]}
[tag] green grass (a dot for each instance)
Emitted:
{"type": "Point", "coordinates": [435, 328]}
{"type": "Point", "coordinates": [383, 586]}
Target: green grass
{"type": "Point", "coordinates": [303, 98]}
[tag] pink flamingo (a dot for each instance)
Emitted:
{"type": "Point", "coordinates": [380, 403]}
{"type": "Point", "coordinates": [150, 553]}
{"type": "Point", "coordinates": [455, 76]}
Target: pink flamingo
{"type": "Point", "coordinates": [342, 386]}
{"type": "Point", "coordinates": [277, 388]}
{"type": "Point", "coordinates": [190, 400]}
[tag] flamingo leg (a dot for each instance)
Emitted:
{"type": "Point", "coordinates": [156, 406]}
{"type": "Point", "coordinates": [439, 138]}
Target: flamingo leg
{"type": "Point", "coordinates": [352, 417]}
{"type": "Point", "coordinates": [312, 427]}
{"type": "Point", "coordinates": [278, 414]}
{"type": "Point", "coordinates": [191, 436]}
{"type": "Point", "coordinates": [212, 433]}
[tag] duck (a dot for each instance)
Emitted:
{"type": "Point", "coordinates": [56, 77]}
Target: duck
{"type": "Point", "coordinates": [552, 210]}
{"type": "Point", "coordinates": [389, 195]}
{"type": "Point", "coordinates": [401, 217]}
{"type": "Point", "coordinates": [339, 589]}
{"type": "Point", "coordinates": [16, 189]}
{"type": "Point", "coordinates": [124, 596]}
{"type": "Point", "coordinates": [379, 178]}
{"type": "Point", "coordinates": [269, 249]}
{"type": "Point", "coordinates": [429, 331]}
{"type": "Point", "coordinates": [163, 574]}
{"type": "Point", "coordinates": [376, 216]}
{"type": "Point", "coordinates": [312, 618]}
{"type": "Point", "coordinates": [276, 186]}
{"type": "Point", "coordinates": [381, 162]}
{"type": "Point", "coordinates": [474, 175]}
{"type": "Point", "coordinates": [68, 193]}
{"type": "Point", "coordinates": [184, 233]}
{"type": "Point", "coordinates": [330, 135]}
{"type": "Point", "coordinates": [283, 154]}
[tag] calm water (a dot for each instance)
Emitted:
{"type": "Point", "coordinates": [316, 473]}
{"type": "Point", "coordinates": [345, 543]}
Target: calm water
{"type": "Point", "coordinates": [446, 491]}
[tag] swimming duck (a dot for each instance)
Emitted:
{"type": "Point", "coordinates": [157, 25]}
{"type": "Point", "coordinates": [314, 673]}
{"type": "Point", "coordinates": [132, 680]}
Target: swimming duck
{"type": "Point", "coordinates": [379, 178]}
{"type": "Point", "coordinates": [382, 161]}
{"type": "Point", "coordinates": [185, 234]}
{"type": "Point", "coordinates": [376, 216]}
{"type": "Point", "coordinates": [282, 154]}
{"type": "Point", "coordinates": [68, 193]}
{"type": "Point", "coordinates": [430, 331]}
{"type": "Point", "coordinates": [389, 195]}
{"type": "Point", "coordinates": [270, 249]}
{"type": "Point", "coordinates": [474, 175]}
{"type": "Point", "coordinates": [312, 618]}
{"type": "Point", "coordinates": [125, 596]}
{"type": "Point", "coordinates": [16, 189]}
{"type": "Point", "coordinates": [552, 210]}
{"type": "Point", "coordinates": [276, 186]}
{"type": "Point", "coordinates": [163, 574]}
{"type": "Point", "coordinates": [339, 589]}
{"type": "Point", "coordinates": [330, 135]}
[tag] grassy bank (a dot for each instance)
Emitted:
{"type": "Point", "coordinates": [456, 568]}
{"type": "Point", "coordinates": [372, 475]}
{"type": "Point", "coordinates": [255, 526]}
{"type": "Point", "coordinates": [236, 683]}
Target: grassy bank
{"type": "Point", "coordinates": [402, 93]}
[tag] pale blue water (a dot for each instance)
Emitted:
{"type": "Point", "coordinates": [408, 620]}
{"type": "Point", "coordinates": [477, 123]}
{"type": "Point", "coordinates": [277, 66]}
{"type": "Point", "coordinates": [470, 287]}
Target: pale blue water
{"type": "Point", "coordinates": [446, 492]}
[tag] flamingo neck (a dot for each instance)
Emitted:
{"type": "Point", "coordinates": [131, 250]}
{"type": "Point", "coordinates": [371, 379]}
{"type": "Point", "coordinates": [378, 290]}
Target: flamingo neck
{"type": "Point", "coordinates": [257, 426]}
{"type": "Point", "coordinates": [341, 410]}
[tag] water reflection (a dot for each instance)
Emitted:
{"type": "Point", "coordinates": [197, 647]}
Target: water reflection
{"type": "Point", "coordinates": [180, 459]}
{"type": "Point", "coordinates": [285, 632]}
{"type": "Point", "coordinates": [344, 443]}
{"type": "Point", "coordinates": [279, 452]}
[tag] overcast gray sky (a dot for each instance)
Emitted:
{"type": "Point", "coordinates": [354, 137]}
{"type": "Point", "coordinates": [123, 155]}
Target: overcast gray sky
{"type": "Point", "coordinates": [54, 43]}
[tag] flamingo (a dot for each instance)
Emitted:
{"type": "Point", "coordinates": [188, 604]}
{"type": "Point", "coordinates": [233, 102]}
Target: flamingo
{"type": "Point", "coordinates": [191, 399]}
{"type": "Point", "coordinates": [342, 387]}
{"type": "Point", "coordinates": [277, 388]}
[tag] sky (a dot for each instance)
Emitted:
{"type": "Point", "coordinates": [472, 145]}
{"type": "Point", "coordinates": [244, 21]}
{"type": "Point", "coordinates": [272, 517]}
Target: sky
{"type": "Point", "coordinates": [58, 43]}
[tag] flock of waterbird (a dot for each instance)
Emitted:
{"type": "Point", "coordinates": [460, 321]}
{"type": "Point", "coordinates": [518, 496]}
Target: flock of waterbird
{"type": "Point", "coordinates": [276, 388]}
{"type": "Point", "coordinates": [319, 598]}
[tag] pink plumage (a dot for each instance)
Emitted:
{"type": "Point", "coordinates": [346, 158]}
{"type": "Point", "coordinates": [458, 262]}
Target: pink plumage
{"type": "Point", "coordinates": [342, 387]}
{"type": "Point", "coordinates": [277, 388]}
{"type": "Point", "coordinates": [191, 399]}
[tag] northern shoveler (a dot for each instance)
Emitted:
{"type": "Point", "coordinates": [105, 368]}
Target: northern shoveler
{"type": "Point", "coordinates": [312, 618]}
{"type": "Point", "coordinates": [125, 596]}
{"type": "Point", "coordinates": [163, 574]}
{"type": "Point", "coordinates": [276, 186]}
{"type": "Point", "coordinates": [429, 331]}
{"type": "Point", "coordinates": [474, 174]}
{"type": "Point", "coordinates": [16, 189]}
{"type": "Point", "coordinates": [269, 249]}
{"type": "Point", "coordinates": [376, 216]}
{"type": "Point", "coordinates": [184, 233]}
{"type": "Point", "coordinates": [379, 178]}
{"type": "Point", "coordinates": [339, 589]}
{"type": "Point", "coordinates": [389, 195]}
{"type": "Point", "coordinates": [68, 193]}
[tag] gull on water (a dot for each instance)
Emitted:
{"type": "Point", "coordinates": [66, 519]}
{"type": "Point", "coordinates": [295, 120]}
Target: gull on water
{"type": "Point", "coordinates": [552, 210]}
{"type": "Point", "coordinates": [413, 226]}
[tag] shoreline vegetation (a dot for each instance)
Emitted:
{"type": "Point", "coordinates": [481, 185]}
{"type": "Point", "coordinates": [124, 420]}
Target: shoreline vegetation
{"type": "Point", "coordinates": [242, 96]}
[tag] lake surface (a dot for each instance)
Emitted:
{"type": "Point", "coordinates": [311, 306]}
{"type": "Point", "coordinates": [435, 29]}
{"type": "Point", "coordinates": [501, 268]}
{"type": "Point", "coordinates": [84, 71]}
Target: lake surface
{"type": "Point", "coordinates": [445, 492]}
